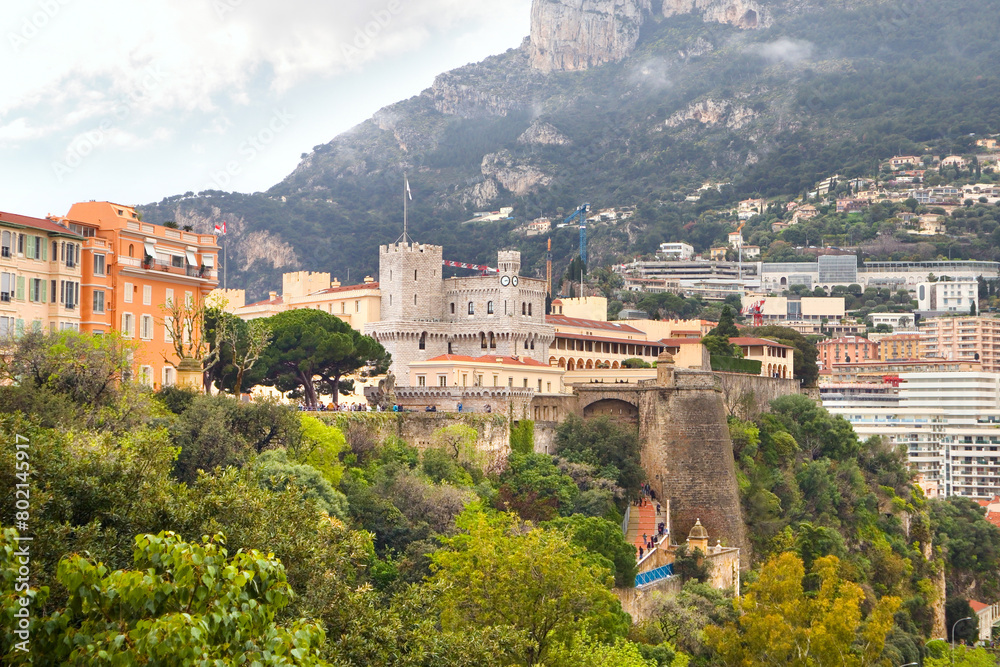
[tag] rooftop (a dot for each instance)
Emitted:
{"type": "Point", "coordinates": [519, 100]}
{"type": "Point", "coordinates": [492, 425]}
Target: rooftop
{"type": "Point", "coordinates": [40, 224]}
{"type": "Point", "coordinates": [562, 320]}
{"type": "Point", "coordinates": [490, 359]}
{"type": "Point", "coordinates": [757, 341]}
{"type": "Point", "coordinates": [346, 288]}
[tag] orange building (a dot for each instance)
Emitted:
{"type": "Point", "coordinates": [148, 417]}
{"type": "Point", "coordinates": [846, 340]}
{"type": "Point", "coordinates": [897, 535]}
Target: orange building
{"type": "Point", "coordinates": [847, 349]}
{"type": "Point", "coordinates": [900, 346]}
{"type": "Point", "coordinates": [131, 270]}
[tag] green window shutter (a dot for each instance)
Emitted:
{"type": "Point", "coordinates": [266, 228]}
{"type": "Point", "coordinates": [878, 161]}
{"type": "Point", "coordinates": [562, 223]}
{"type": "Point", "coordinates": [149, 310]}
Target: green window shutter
{"type": "Point", "coordinates": [29, 247]}
{"type": "Point", "coordinates": [20, 288]}
{"type": "Point", "coordinates": [45, 253]}
{"type": "Point", "coordinates": [19, 327]}
{"type": "Point", "coordinates": [45, 296]}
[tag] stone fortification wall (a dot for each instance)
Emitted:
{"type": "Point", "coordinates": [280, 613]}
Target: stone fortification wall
{"type": "Point", "coordinates": [749, 396]}
{"type": "Point", "coordinates": [641, 603]}
{"type": "Point", "coordinates": [417, 429]}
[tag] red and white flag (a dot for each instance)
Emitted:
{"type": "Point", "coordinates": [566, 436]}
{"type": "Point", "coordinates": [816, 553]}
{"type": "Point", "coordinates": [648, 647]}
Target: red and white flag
{"type": "Point", "coordinates": [220, 229]}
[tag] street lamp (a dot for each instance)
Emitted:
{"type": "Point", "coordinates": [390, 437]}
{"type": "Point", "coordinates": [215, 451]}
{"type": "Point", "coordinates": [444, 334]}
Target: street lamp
{"type": "Point", "coordinates": [967, 618]}
{"type": "Point", "coordinates": [910, 664]}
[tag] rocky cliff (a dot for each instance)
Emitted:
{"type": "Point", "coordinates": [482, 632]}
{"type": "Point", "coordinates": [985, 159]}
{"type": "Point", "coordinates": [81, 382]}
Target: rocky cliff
{"type": "Point", "coordinates": [572, 35]}
{"type": "Point", "coordinates": [745, 14]}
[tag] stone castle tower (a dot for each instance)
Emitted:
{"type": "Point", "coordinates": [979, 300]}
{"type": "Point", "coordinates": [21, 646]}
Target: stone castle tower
{"type": "Point", "coordinates": [425, 316]}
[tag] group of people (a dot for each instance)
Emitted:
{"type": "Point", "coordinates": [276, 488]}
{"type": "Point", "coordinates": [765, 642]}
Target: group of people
{"type": "Point", "coordinates": [348, 407]}
{"type": "Point", "coordinates": [647, 496]}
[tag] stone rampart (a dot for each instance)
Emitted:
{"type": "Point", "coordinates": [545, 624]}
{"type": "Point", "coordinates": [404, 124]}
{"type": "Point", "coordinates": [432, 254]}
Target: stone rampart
{"type": "Point", "coordinates": [749, 396]}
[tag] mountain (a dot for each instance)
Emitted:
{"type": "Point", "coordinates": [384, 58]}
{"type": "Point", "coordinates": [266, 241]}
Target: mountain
{"type": "Point", "coordinates": [619, 103]}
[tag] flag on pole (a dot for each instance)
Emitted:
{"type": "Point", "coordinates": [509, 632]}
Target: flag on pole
{"type": "Point", "coordinates": [408, 193]}
{"type": "Point", "coordinates": [220, 229]}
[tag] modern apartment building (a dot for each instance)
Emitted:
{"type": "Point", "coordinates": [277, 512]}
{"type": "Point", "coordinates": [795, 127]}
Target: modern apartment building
{"type": "Point", "coordinates": [959, 296]}
{"type": "Point", "coordinates": [949, 423]}
{"type": "Point", "coordinates": [899, 346]}
{"type": "Point", "coordinates": [846, 349]}
{"type": "Point", "coordinates": [132, 270]}
{"type": "Point", "coordinates": [974, 339]}
{"type": "Point", "coordinates": [40, 275]}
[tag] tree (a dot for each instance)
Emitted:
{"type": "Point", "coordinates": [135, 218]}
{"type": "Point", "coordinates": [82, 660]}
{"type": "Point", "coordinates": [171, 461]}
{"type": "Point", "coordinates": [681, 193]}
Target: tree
{"type": "Point", "coordinates": [534, 487]}
{"type": "Point", "coordinates": [497, 572]}
{"type": "Point", "coordinates": [312, 350]}
{"type": "Point", "coordinates": [276, 472]}
{"type": "Point", "coordinates": [72, 380]}
{"type": "Point", "coordinates": [726, 328]}
{"type": "Point", "coordinates": [604, 541]}
{"type": "Point", "coordinates": [781, 624]}
{"type": "Point", "coordinates": [184, 603]}
{"type": "Point", "coordinates": [610, 447]}
{"type": "Point", "coordinates": [238, 345]}
{"type": "Point", "coordinates": [185, 320]}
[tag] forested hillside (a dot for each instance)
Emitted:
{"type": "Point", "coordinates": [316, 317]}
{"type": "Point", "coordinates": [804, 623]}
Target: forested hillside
{"type": "Point", "coordinates": [829, 88]}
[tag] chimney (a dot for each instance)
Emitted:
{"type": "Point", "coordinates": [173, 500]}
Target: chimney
{"type": "Point", "coordinates": [272, 296]}
{"type": "Point", "coordinates": [369, 279]}
{"type": "Point", "coordinates": [335, 283]}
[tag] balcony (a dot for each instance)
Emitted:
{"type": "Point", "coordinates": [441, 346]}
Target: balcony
{"type": "Point", "coordinates": [203, 272]}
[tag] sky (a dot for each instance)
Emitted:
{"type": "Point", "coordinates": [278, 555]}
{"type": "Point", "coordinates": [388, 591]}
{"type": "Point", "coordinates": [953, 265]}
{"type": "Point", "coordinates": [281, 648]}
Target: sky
{"type": "Point", "coordinates": [133, 101]}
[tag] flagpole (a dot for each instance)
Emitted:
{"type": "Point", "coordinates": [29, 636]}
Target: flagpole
{"type": "Point", "coordinates": [225, 265]}
{"type": "Point", "coordinates": [405, 185]}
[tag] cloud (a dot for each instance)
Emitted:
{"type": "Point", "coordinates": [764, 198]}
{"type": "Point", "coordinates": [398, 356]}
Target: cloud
{"type": "Point", "coordinates": [79, 61]}
{"type": "Point", "coordinates": [785, 50]}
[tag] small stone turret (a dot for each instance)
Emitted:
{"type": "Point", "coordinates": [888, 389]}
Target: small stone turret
{"type": "Point", "coordinates": [665, 370]}
{"type": "Point", "coordinates": [698, 538]}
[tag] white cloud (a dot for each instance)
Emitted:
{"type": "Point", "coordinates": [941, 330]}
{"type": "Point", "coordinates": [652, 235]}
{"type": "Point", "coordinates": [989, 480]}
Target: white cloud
{"type": "Point", "coordinates": [785, 50]}
{"type": "Point", "coordinates": [192, 55]}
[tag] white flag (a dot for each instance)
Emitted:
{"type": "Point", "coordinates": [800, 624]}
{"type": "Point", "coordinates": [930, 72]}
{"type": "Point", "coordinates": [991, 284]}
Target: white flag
{"type": "Point", "coordinates": [408, 193]}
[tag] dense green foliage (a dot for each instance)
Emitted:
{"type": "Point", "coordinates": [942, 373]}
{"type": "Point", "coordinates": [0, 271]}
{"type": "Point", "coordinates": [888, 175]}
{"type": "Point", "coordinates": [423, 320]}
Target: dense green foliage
{"type": "Point", "coordinates": [343, 547]}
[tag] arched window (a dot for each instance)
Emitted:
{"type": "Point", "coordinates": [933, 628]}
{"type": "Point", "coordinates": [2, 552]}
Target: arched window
{"type": "Point", "coordinates": [423, 341]}
{"type": "Point", "coordinates": [489, 307]}
{"type": "Point", "coordinates": [529, 310]}
{"type": "Point", "coordinates": [414, 299]}
{"type": "Point", "coordinates": [524, 308]}
{"type": "Point", "coordinates": [493, 341]}
{"type": "Point", "coordinates": [452, 309]}
{"type": "Point", "coordinates": [131, 249]}
{"type": "Point", "coordinates": [482, 340]}
{"type": "Point", "coordinates": [472, 308]}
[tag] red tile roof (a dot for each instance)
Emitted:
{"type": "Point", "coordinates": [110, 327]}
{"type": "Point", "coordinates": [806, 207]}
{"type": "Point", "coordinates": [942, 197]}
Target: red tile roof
{"type": "Point", "coordinates": [670, 342]}
{"type": "Point", "coordinates": [35, 223]}
{"type": "Point", "coordinates": [757, 341]}
{"type": "Point", "coordinates": [562, 320]}
{"type": "Point", "coordinates": [490, 359]}
{"type": "Point", "coordinates": [346, 288]}
{"type": "Point", "coordinates": [602, 339]}
{"type": "Point", "coordinates": [277, 301]}
{"type": "Point", "coordinates": [978, 606]}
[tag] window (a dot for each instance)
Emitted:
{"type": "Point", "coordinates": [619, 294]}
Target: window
{"type": "Point", "coordinates": [465, 379]}
{"type": "Point", "coordinates": [493, 341]}
{"type": "Point", "coordinates": [55, 250]}
{"type": "Point", "coordinates": [146, 375]}
{"type": "Point", "coordinates": [169, 296]}
{"type": "Point", "coordinates": [423, 341]}
{"type": "Point", "coordinates": [146, 327]}
{"type": "Point", "coordinates": [452, 309]}
{"type": "Point", "coordinates": [442, 380]}
{"type": "Point", "coordinates": [20, 244]}
{"type": "Point", "coordinates": [52, 291]}
{"type": "Point", "coordinates": [6, 327]}
{"type": "Point", "coordinates": [177, 261]}
{"type": "Point", "coordinates": [131, 250]}
{"type": "Point", "coordinates": [539, 386]}
{"type": "Point", "coordinates": [128, 325]}
{"type": "Point", "coordinates": [472, 308]}
{"type": "Point", "coordinates": [169, 376]}
{"type": "Point", "coordinates": [489, 308]}
{"type": "Point", "coordinates": [188, 299]}
{"type": "Point", "coordinates": [529, 310]}
{"type": "Point", "coordinates": [343, 307]}
{"type": "Point", "coordinates": [525, 383]}
{"type": "Point", "coordinates": [168, 329]}
{"type": "Point", "coordinates": [36, 289]}
{"type": "Point", "coordinates": [98, 301]}
{"type": "Point", "coordinates": [147, 295]}
{"type": "Point", "coordinates": [548, 389]}
{"type": "Point", "coordinates": [449, 347]}
{"type": "Point", "coordinates": [414, 299]}
{"type": "Point", "coordinates": [5, 244]}
{"type": "Point", "coordinates": [414, 275]}
{"type": "Point", "coordinates": [99, 265]}
{"type": "Point", "coordinates": [72, 255]}
{"type": "Point", "coordinates": [482, 341]}
{"type": "Point", "coordinates": [127, 292]}
{"type": "Point", "coordinates": [421, 380]}
{"type": "Point", "coordinates": [6, 287]}
{"type": "Point", "coordinates": [357, 306]}
{"type": "Point", "coordinates": [524, 308]}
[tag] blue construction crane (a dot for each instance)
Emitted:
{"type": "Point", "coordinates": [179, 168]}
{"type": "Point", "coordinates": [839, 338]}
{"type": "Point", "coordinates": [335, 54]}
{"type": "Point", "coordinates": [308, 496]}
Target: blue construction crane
{"type": "Point", "coordinates": [581, 213]}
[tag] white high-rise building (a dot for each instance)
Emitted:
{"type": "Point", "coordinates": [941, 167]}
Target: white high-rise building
{"type": "Point", "coordinates": [949, 422]}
